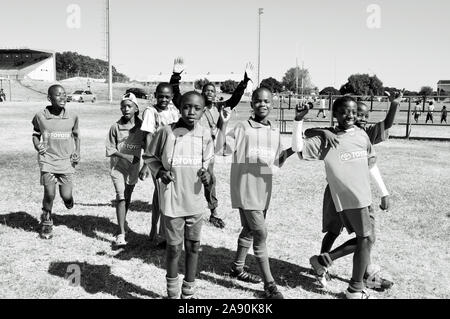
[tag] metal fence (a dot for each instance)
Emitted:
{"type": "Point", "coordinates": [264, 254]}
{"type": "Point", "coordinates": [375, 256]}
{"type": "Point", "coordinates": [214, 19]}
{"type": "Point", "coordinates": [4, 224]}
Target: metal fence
{"type": "Point", "coordinates": [378, 106]}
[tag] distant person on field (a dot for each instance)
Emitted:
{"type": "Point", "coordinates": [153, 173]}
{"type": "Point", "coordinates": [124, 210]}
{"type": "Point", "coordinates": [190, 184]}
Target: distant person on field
{"type": "Point", "coordinates": [417, 111]}
{"type": "Point", "coordinates": [430, 112]}
{"type": "Point", "coordinates": [56, 139]}
{"type": "Point", "coordinates": [322, 108]}
{"type": "Point", "coordinates": [2, 96]}
{"type": "Point", "coordinates": [444, 114]}
{"type": "Point", "coordinates": [124, 145]}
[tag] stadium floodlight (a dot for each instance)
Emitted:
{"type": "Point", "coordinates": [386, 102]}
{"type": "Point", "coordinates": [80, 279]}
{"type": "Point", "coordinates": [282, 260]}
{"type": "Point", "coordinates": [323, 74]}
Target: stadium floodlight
{"type": "Point", "coordinates": [108, 39]}
{"type": "Point", "coordinates": [260, 12]}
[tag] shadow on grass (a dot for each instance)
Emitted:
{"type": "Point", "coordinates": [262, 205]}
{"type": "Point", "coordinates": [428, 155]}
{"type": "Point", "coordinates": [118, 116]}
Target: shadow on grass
{"type": "Point", "coordinates": [211, 259]}
{"type": "Point", "coordinates": [98, 278]}
{"type": "Point", "coordinates": [135, 206]}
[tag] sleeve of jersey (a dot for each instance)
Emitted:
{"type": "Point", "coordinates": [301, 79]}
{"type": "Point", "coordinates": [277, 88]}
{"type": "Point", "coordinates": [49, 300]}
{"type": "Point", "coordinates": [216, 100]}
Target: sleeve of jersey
{"type": "Point", "coordinates": [36, 128]}
{"type": "Point", "coordinates": [111, 142]}
{"type": "Point", "coordinates": [229, 143]}
{"type": "Point", "coordinates": [153, 156]}
{"type": "Point", "coordinates": [148, 121]}
{"type": "Point", "coordinates": [377, 133]}
{"type": "Point", "coordinates": [312, 149]}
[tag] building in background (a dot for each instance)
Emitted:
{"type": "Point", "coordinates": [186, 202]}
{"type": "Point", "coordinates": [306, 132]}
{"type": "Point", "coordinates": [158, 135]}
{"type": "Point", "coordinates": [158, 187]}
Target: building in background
{"type": "Point", "coordinates": [19, 64]}
{"type": "Point", "coordinates": [443, 87]}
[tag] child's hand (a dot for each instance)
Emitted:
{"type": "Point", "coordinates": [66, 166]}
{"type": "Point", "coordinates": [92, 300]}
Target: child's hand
{"type": "Point", "coordinates": [75, 157]}
{"type": "Point", "coordinates": [42, 149]}
{"type": "Point", "coordinates": [396, 97]}
{"type": "Point", "coordinates": [300, 112]}
{"type": "Point", "coordinates": [144, 173]}
{"type": "Point", "coordinates": [166, 177]}
{"type": "Point", "coordinates": [205, 176]}
{"type": "Point", "coordinates": [249, 70]}
{"type": "Point", "coordinates": [225, 114]}
{"type": "Point", "coordinates": [178, 65]}
{"type": "Point", "coordinates": [385, 205]}
{"type": "Point", "coordinates": [330, 138]}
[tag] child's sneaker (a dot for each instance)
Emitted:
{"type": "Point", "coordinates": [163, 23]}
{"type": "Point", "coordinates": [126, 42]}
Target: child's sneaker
{"type": "Point", "coordinates": [245, 276]}
{"type": "Point", "coordinates": [120, 240]}
{"type": "Point", "coordinates": [319, 271]}
{"type": "Point", "coordinates": [217, 222]}
{"type": "Point", "coordinates": [46, 231]}
{"type": "Point", "coordinates": [271, 291]}
{"type": "Point", "coordinates": [358, 295]}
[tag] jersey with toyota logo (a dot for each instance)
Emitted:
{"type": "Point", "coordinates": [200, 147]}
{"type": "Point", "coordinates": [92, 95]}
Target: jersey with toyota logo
{"type": "Point", "coordinates": [346, 166]}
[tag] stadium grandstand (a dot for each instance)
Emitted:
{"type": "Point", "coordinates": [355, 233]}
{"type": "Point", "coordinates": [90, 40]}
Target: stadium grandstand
{"type": "Point", "coordinates": [19, 64]}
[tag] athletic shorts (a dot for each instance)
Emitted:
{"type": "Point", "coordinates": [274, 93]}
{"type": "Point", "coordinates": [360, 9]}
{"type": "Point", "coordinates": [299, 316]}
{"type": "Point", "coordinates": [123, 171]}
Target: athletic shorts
{"type": "Point", "coordinates": [253, 219]}
{"type": "Point", "coordinates": [331, 222]}
{"type": "Point", "coordinates": [360, 221]}
{"type": "Point", "coordinates": [55, 178]}
{"type": "Point", "coordinates": [180, 228]}
{"type": "Point", "coordinates": [120, 179]}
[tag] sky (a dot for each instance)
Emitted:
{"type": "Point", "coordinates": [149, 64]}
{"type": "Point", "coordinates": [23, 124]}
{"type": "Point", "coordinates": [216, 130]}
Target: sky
{"type": "Point", "coordinates": [406, 43]}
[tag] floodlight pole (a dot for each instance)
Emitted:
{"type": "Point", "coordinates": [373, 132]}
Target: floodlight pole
{"type": "Point", "coordinates": [260, 12]}
{"type": "Point", "coordinates": [108, 20]}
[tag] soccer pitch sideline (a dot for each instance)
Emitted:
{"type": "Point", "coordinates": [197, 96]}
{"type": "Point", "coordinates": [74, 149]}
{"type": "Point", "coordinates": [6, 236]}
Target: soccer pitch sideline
{"type": "Point", "coordinates": [412, 239]}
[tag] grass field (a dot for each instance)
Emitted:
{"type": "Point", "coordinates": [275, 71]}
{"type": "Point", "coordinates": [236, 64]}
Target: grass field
{"type": "Point", "coordinates": [412, 240]}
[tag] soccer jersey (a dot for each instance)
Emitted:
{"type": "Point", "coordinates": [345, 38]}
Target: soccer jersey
{"type": "Point", "coordinates": [126, 138]}
{"type": "Point", "coordinates": [377, 133]}
{"type": "Point", "coordinates": [57, 134]}
{"type": "Point", "coordinates": [256, 149]}
{"type": "Point", "coordinates": [183, 153]}
{"type": "Point", "coordinates": [153, 118]}
{"type": "Point", "coordinates": [346, 167]}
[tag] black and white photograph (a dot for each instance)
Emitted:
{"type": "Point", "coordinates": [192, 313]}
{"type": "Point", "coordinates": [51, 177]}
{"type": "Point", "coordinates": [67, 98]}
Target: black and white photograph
{"type": "Point", "coordinates": [242, 151]}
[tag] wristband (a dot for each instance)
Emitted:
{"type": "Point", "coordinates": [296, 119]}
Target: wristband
{"type": "Point", "coordinates": [297, 136]}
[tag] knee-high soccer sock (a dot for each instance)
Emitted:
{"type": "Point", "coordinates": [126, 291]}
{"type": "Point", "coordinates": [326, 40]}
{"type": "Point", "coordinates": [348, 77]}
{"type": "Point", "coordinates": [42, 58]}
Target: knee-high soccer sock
{"type": "Point", "coordinates": [173, 287]}
{"type": "Point", "coordinates": [260, 249]}
{"type": "Point", "coordinates": [120, 213]}
{"type": "Point", "coordinates": [191, 260]}
{"type": "Point", "coordinates": [128, 192]}
{"type": "Point", "coordinates": [345, 249]}
{"type": "Point", "coordinates": [173, 253]}
{"type": "Point", "coordinates": [188, 289]}
{"type": "Point", "coordinates": [327, 242]}
{"type": "Point", "coordinates": [244, 243]}
{"type": "Point", "coordinates": [360, 262]}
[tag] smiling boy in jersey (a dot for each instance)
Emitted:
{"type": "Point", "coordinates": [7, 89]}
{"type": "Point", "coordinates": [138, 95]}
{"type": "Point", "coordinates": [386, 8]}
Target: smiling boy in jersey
{"type": "Point", "coordinates": [56, 139]}
{"type": "Point", "coordinates": [210, 119]}
{"type": "Point", "coordinates": [257, 152]}
{"type": "Point", "coordinates": [180, 157]}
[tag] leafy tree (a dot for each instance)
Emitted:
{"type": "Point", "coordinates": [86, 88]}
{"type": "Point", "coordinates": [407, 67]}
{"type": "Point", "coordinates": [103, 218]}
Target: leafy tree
{"type": "Point", "coordinates": [228, 86]}
{"type": "Point", "coordinates": [200, 83]}
{"type": "Point", "coordinates": [362, 84]}
{"type": "Point", "coordinates": [272, 84]}
{"type": "Point", "coordinates": [426, 91]}
{"type": "Point", "coordinates": [289, 80]}
{"type": "Point", "coordinates": [329, 90]}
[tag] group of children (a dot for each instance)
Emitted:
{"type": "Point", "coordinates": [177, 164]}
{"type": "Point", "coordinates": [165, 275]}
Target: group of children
{"type": "Point", "coordinates": [178, 144]}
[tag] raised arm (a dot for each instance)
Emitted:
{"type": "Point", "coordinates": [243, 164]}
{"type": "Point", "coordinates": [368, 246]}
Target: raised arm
{"type": "Point", "coordinates": [235, 98]}
{"type": "Point", "coordinates": [178, 68]}
{"type": "Point", "coordinates": [395, 100]}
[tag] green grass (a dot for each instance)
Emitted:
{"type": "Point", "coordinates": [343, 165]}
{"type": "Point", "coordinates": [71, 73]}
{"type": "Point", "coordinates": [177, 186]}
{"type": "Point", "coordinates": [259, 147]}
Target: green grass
{"type": "Point", "coordinates": [412, 240]}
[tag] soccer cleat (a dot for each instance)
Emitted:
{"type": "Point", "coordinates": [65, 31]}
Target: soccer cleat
{"type": "Point", "coordinates": [319, 271]}
{"type": "Point", "coordinates": [120, 241]}
{"type": "Point", "coordinates": [375, 279]}
{"type": "Point", "coordinates": [245, 276]}
{"type": "Point", "coordinates": [358, 295]}
{"type": "Point", "coordinates": [271, 292]}
{"type": "Point", "coordinates": [69, 204]}
{"type": "Point", "coordinates": [216, 222]}
{"type": "Point", "coordinates": [46, 231]}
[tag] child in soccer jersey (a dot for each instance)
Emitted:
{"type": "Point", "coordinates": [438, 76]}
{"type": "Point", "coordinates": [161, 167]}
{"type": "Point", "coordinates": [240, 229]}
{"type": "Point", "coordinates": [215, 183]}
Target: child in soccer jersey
{"type": "Point", "coordinates": [124, 145]}
{"type": "Point", "coordinates": [180, 157]}
{"type": "Point", "coordinates": [56, 139]}
{"type": "Point", "coordinates": [331, 223]}
{"type": "Point", "coordinates": [155, 117]}
{"type": "Point", "coordinates": [256, 148]}
{"type": "Point", "coordinates": [211, 119]}
{"type": "Point", "coordinates": [347, 170]}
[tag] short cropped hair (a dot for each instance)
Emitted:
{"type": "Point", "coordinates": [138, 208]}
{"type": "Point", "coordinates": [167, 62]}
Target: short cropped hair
{"type": "Point", "coordinates": [53, 87]}
{"type": "Point", "coordinates": [262, 88]}
{"type": "Point", "coordinates": [208, 84]}
{"type": "Point", "coordinates": [341, 101]}
{"type": "Point", "coordinates": [190, 93]}
{"type": "Point", "coordinates": [164, 85]}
